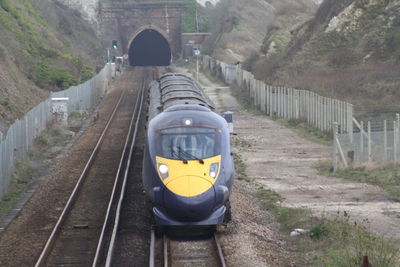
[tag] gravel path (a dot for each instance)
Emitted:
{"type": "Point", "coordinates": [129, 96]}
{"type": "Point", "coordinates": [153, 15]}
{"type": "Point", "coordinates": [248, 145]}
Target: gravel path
{"type": "Point", "coordinates": [284, 162]}
{"type": "Point", "coordinates": [252, 238]}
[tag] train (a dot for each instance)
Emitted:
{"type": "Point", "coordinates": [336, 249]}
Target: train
{"type": "Point", "coordinates": [188, 167]}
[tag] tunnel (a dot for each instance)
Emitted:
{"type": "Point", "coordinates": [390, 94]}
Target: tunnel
{"type": "Point", "coordinates": [149, 48]}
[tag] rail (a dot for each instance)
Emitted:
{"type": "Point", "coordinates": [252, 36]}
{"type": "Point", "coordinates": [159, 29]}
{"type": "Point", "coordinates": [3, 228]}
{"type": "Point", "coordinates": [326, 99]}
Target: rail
{"type": "Point", "coordinates": [49, 244]}
{"type": "Point", "coordinates": [16, 142]}
{"type": "Point", "coordinates": [206, 251]}
{"type": "Point", "coordinates": [116, 199]}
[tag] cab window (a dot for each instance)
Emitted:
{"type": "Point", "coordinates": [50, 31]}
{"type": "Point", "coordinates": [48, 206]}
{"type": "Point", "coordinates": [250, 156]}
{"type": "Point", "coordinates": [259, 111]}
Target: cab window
{"type": "Point", "coordinates": [188, 143]}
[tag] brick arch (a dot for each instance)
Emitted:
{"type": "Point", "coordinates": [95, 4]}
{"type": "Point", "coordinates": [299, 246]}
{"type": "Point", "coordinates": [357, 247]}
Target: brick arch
{"type": "Point", "coordinates": [149, 47]}
{"type": "Point", "coordinates": [124, 21]}
{"type": "Point", "coordinates": [148, 27]}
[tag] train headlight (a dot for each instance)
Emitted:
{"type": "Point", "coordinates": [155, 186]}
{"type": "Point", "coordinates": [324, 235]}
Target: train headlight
{"type": "Point", "coordinates": [163, 169]}
{"type": "Point", "coordinates": [214, 169]}
{"type": "Point", "coordinates": [187, 122]}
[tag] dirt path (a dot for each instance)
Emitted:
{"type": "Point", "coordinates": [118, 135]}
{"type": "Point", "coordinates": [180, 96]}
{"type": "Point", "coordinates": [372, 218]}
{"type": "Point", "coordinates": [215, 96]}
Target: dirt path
{"type": "Point", "coordinates": [284, 162]}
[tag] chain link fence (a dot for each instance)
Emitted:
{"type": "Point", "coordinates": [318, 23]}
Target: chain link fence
{"type": "Point", "coordinates": [15, 144]}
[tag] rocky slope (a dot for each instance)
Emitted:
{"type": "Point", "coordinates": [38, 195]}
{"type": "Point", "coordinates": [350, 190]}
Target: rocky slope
{"type": "Point", "coordinates": [240, 27]}
{"type": "Point", "coordinates": [43, 46]}
{"type": "Point", "coordinates": [349, 50]}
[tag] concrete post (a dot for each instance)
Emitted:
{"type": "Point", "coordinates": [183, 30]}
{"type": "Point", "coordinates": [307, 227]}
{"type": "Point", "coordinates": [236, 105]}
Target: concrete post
{"type": "Point", "coordinates": [369, 143]}
{"type": "Point", "coordinates": [335, 148]}
{"type": "Point", "coordinates": [394, 142]}
{"type": "Point", "coordinates": [297, 105]}
{"type": "Point", "coordinates": [350, 122]}
{"type": "Point", "coordinates": [385, 148]}
{"type": "Point", "coordinates": [362, 138]}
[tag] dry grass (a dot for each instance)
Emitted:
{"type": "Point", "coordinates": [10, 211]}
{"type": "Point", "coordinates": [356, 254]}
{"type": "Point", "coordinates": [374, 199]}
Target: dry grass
{"type": "Point", "coordinates": [330, 242]}
{"type": "Point", "coordinates": [386, 176]}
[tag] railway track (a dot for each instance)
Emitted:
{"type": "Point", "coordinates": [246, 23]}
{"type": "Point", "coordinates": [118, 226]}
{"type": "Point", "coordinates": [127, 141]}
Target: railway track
{"type": "Point", "coordinates": [117, 233]}
{"type": "Point", "coordinates": [74, 241]}
{"type": "Point", "coordinates": [165, 251]}
{"type": "Point", "coordinates": [127, 243]}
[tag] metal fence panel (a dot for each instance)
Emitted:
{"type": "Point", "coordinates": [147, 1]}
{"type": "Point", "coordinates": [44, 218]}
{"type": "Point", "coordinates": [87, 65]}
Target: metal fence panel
{"type": "Point", "coordinates": [319, 112]}
{"type": "Point", "coordinates": [15, 144]}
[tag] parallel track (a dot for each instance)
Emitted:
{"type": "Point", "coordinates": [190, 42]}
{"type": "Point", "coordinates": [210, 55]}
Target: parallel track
{"type": "Point", "coordinates": [125, 244]}
{"type": "Point", "coordinates": [76, 233]}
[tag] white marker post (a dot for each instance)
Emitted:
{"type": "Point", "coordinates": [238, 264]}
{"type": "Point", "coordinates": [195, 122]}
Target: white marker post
{"type": "Point", "coordinates": [59, 109]}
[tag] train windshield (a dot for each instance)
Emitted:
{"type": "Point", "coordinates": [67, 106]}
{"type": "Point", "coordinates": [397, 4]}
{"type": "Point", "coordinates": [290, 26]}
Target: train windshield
{"type": "Point", "coordinates": [188, 143]}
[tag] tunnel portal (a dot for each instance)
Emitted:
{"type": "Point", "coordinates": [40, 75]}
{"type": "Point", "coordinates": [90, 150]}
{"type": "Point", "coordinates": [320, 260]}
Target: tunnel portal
{"type": "Point", "coordinates": [149, 48]}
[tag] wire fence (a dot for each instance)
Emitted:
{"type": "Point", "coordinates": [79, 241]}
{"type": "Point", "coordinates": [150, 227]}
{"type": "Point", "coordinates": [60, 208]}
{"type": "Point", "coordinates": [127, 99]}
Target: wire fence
{"type": "Point", "coordinates": [371, 143]}
{"type": "Point", "coordinates": [15, 144]}
{"type": "Point", "coordinates": [288, 103]}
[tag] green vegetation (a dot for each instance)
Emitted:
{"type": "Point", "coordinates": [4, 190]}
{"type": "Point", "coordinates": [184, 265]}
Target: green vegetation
{"type": "Point", "coordinates": [86, 73]}
{"type": "Point", "coordinates": [240, 168]}
{"type": "Point", "coordinates": [49, 74]}
{"type": "Point", "coordinates": [33, 167]}
{"type": "Point", "coordinates": [289, 218]}
{"type": "Point", "coordinates": [54, 76]}
{"type": "Point", "coordinates": [336, 242]}
{"type": "Point", "coordinates": [354, 59]}
{"type": "Point", "coordinates": [20, 181]}
{"type": "Point", "coordinates": [189, 18]}
{"type": "Point", "coordinates": [189, 24]}
{"type": "Point", "coordinates": [37, 48]}
{"type": "Point", "coordinates": [327, 241]}
{"type": "Point", "coordinates": [386, 177]}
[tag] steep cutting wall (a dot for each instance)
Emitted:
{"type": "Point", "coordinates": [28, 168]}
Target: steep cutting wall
{"type": "Point", "coordinates": [44, 47]}
{"type": "Point", "coordinates": [88, 8]}
{"type": "Point", "coordinates": [349, 50]}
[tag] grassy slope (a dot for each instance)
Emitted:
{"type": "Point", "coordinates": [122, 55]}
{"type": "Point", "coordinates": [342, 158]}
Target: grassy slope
{"type": "Point", "coordinates": [42, 44]}
{"type": "Point", "coordinates": [356, 59]}
{"type": "Point", "coordinates": [238, 29]}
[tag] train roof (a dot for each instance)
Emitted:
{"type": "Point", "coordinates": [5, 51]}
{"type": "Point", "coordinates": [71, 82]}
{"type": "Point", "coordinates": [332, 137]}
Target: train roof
{"type": "Point", "coordinates": [179, 89]}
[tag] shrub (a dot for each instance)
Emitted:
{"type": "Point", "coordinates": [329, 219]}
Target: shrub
{"type": "Point", "coordinates": [53, 76]}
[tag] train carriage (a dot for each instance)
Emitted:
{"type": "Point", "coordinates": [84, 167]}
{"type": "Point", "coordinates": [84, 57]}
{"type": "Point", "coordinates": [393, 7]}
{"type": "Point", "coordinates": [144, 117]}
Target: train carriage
{"type": "Point", "coordinates": [188, 168]}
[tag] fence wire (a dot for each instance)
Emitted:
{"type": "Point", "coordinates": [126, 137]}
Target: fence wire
{"type": "Point", "coordinates": [15, 144]}
{"type": "Point", "coordinates": [372, 144]}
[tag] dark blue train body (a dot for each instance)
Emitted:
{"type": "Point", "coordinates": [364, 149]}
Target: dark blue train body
{"type": "Point", "coordinates": [188, 168]}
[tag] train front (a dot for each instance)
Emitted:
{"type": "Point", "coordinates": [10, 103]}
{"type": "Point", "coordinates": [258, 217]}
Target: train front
{"type": "Point", "coordinates": [188, 169]}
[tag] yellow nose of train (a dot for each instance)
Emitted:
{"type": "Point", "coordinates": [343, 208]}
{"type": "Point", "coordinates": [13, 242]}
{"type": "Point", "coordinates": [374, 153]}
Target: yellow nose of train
{"type": "Point", "coordinates": [188, 178]}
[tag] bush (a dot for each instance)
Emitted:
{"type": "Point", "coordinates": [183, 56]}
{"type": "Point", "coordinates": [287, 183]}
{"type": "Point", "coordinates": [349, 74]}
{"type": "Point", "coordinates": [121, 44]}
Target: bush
{"type": "Point", "coordinates": [86, 73]}
{"type": "Point", "coordinates": [53, 76]}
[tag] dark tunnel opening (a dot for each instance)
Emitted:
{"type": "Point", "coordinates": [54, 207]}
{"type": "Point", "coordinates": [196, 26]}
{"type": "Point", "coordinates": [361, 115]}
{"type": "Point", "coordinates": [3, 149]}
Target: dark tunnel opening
{"type": "Point", "coordinates": [149, 48]}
